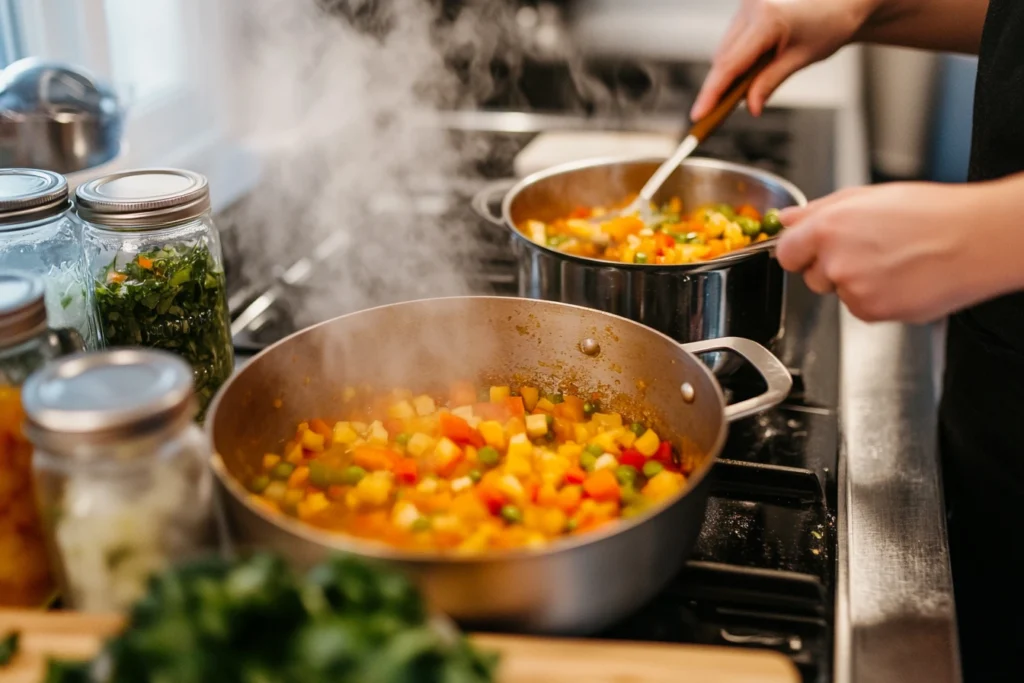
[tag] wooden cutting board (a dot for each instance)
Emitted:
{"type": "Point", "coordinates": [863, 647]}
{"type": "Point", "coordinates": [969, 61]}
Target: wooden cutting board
{"type": "Point", "coordinates": [524, 660]}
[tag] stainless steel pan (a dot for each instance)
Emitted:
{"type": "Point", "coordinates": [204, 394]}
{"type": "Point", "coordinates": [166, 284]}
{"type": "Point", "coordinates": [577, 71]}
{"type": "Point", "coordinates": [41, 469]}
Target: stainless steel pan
{"type": "Point", "coordinates": [739, 295]}
{"type": "Point", "coordinates": [576, 585]}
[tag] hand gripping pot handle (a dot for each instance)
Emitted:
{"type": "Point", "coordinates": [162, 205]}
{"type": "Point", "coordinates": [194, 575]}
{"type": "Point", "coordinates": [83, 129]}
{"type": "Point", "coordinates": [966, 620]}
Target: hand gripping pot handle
{"type": "Point", "coordinates": [774, 372]}
{"type": "Point", "coordinates": [490, 196]}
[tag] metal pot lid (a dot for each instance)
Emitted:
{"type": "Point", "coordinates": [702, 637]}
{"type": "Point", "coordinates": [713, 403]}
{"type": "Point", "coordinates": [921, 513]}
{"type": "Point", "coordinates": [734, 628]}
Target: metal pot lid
{"type": "Point", "coordinates": [22, 308]}
{"type": "Point", "coordinates": [143, 199]}
{"type": "Point", "coordinates": [28, 195]}
{"type": "Point", "coordinates": [91, 399]}
{"type": "Point", "coordinates": [31, 87]}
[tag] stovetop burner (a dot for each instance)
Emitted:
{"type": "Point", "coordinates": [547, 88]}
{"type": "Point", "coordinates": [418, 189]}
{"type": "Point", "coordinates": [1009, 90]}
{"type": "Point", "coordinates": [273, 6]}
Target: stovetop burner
{"type": "Point", "coordinates": [762, 574]}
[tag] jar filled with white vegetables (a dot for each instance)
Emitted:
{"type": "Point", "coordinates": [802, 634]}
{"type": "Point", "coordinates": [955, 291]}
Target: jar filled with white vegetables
{"type": "Point", "coordinates": [40, 236]}
{"type": "Point", "coordinates": [121, 471]}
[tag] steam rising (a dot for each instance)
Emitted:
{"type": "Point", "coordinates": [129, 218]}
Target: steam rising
{"type": "Point", "coordinates": [344, 114]}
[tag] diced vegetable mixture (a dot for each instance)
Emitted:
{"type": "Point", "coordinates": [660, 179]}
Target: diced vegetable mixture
{"type": "Point", "coordinates": [672, 237]}
{"type": "Point", "coordinates": [469, 471]}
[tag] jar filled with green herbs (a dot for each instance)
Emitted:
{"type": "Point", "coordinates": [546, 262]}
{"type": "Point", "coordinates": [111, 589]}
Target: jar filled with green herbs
{"type": "Point", "coordinates": [154, 255]}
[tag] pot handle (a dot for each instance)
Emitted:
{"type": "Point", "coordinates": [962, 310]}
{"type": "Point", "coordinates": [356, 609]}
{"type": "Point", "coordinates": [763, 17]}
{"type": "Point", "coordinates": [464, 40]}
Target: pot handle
{"type": "Point", "coordinates": [484, 200]}
{"type": "Point", "coordinates": [774, 372]}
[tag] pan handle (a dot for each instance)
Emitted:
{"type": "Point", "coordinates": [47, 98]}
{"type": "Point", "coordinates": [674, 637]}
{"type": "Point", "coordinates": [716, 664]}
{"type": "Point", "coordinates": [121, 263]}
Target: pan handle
{"type": "Point", "coordinates": [484, 200]}
{"type": "Point", "coordinates": [774, 372]}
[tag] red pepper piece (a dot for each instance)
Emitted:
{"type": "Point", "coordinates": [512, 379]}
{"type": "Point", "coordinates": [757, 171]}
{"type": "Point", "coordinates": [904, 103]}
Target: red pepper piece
{"type": "Point", "coordinates": [633, 458]}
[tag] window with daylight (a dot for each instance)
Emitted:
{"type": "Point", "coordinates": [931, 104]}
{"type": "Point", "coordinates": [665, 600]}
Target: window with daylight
{"type": "Point", "coordinates": [164, 58]}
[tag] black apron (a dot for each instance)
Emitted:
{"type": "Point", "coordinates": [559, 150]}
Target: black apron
{"type": "Point", "coordinates": [981, 419]}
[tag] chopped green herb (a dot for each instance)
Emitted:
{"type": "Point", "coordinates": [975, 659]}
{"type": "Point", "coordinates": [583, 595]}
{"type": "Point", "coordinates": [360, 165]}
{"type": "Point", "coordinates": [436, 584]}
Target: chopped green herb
{"type": "Point", "coordinates": [173, 299]}
{"type": "Point", "coordinates": [9, 647]}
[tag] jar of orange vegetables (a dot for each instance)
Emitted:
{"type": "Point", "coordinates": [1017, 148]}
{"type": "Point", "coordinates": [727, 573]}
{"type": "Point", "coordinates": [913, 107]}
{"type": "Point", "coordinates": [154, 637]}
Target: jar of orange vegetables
{"type": "Point", "coordinates": [26, 344]}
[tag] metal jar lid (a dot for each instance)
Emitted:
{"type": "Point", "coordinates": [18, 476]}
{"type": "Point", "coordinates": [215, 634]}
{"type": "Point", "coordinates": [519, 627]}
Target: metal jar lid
{"type": "Point", "coordinates": [22, 308]}
{"type": "Point", "coordinates": [28, 195]}
{"type": "Point", "coordinates": [98, 399]}
{"type": "Point", "coordinates": [143, 199]}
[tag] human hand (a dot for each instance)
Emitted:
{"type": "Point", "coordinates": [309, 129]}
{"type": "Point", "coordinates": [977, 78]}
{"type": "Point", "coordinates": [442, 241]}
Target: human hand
{"type": "Point", "coordinates": [912, 252]}
{"type": "Point", "coordinates": [802, 31]}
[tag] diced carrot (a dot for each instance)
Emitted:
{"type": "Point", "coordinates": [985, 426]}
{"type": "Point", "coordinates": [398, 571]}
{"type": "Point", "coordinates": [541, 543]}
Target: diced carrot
{"type": "Point", "coordinates": [749, 211]}
{"type": "Point", "coordinates": [146, 263]}
{"type": "Point", "coordinates": [515, 406]}
{"type": "Point", "coordinates": [569, 499]}
{"type": "Point", "coordinates": [336, 492]}
{"type": "Point", "coordinates": [406, 470]}
{"type": "Point", "coordinates": [393, 426]}
{"type": "Point", "coordinates": [374, 457]}
{"type": "Point", "coordinates": [716, 248]}
{"type": "Point", "coordinates": [462, 393]}
{"type": "Point", "coordinates": [439, 502]}
{"type": "Point", "coordinates": [116, 277]}
{"type": "Point", "coordinates": [459, 431]}
{"type": "Point", "coordinates": [515, 426]}
{"type": "Point", "coordinates": [321, 428]}
{"type": "Point", "coordinates": [532, 490]}
{"type": "Point", "coordinates": [298, 477]}
{"type": "Point", "coordinates": [664, 241]}
{"type": "Point", "coordinates": [575, 475]}
{"type": "Point", "coordinates": [565, 430]}
{"type": "Point", "coordinates": [571, 408]}
{"type": "Point", "coordinates": [602, 486]}
{"type": "Point", "coordinates": [547, 496]}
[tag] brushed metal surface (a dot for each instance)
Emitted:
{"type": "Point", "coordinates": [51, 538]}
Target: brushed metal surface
{"type": "Point", "coordinates": [895, 612]}
{"type": "Point", "coordinates": [576, 585]}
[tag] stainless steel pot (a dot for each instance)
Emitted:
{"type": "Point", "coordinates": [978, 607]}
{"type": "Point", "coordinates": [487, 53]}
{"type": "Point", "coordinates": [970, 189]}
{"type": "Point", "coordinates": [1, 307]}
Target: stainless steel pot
{"type": "Point", "coordinates": [56, 118]}
{"type": "Point", "coordinates": [740, 295]}
{"type": "Point", "coordinates": [576, 585]}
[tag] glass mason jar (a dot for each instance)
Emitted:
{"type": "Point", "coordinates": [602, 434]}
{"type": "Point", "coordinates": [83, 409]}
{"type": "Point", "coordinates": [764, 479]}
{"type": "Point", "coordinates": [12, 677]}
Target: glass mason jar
{"type": "Point", "coordinates": [121, 471]}
{"type": "Point", "coordinates": [154, 255]}
{"type": "Point", "coordinates": [39, 235]}
{"type": "Point", "coordinates": [26, 343]}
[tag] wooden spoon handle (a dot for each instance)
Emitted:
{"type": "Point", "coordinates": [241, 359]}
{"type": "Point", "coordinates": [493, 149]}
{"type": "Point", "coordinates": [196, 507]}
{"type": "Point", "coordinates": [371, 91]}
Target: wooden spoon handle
{"type": "Point", "coordinates": [733, 95]}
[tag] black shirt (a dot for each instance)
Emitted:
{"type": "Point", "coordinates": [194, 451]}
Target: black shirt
{"type": "Point", "coordinates": [982, 413]}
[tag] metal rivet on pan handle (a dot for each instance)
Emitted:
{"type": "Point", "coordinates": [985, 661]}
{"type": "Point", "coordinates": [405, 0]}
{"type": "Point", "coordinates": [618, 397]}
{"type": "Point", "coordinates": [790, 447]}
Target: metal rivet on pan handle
{"type": "Point", "coordinates": [590, 347]}
{"type": "Point", "coordinates": [688, 392]}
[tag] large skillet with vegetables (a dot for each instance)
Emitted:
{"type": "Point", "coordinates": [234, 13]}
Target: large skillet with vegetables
{"type": "Point", "coordinates": [293, 402]}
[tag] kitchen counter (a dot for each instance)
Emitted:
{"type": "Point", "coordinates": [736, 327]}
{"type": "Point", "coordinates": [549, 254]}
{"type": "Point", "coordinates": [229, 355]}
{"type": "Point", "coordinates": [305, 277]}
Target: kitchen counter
{"type": "Point", "coordinates": [895, 613]}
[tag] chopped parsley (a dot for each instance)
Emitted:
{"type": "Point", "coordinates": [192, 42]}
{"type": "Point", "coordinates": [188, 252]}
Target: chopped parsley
{"type": "Point", "coordinates": [175, 299]}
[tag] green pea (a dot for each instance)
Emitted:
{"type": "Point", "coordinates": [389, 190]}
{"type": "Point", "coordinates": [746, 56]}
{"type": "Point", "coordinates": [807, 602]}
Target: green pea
{"type": "Point", "coordinates": [282, 470]}
{"type": "Point", "coordinates": [626, 474]}
{"type": "Point", "coordinates": [421, 524]}
{"type": "Point", "coordinates": [771, 224]}
{"type": "Point", "coordinates": [511, 514]}
{"type": "Point", "coordinates": [476, 475]}
{"type": "Point", "coordinates": [557, 240]}
{"type": "Point", "coordinates": [693, 238]}
{"type": "Point", "coordinates": [637, 428]}
{"type": "Point", "coordinates": [587, 460]}
{"type": "Point", "coordinates": [556, 398]}
{"type": "Point", "coordinates": [750, 226]}
{"type": "Point", "coordinates": [594, 450]}
{"type": "Point", "coordinates": [550, 419]}
{"type": "Point", "coordinates": [571, 525]}
{"type": "Point", "coordinates": [319, 474]}
{"type": "Point", "coordinates": [640, 258]}
{"type": "Point", "coordinates": [591, 407]}
{"type": "Point", "coordinates": [353, 475]}
{"type": "Point", "coordinates": [628, 494]}
{"type": "Point", "coordinates": [403, 438]}
{"type": "Point", "coordinates": [652, 467]}
{"type": "Point", "coordinates": [259, 484]}
{"type": "Point", "coordinates": [726, 211]}
{"type": "Point", "coordinates": [488, 455]}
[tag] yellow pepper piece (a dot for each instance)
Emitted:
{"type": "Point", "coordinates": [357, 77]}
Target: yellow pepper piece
{"type": "Point", "coordinates": [531, 395]}
{"type": "Point", "coordinates": [312, 441]}
{"type": "Point", "coordinates": [343, 433]}
{"type": "Point", "coordinates": [499, 394]}
{"type": "Point", "coordinates": [648, 443]}
{"type": "Point", "coordinates": [493, 433]}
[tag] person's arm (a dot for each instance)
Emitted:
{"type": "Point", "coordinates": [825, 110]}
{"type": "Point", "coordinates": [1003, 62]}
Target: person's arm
{"type": "Point", "coordinates": [944, 25]}
{"type": "Point", "coordinates": [806, 31]}
{"type": "Point", "coordinates": [912, 252]}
